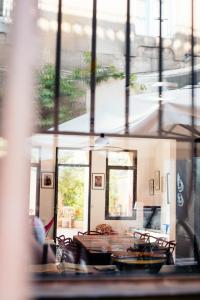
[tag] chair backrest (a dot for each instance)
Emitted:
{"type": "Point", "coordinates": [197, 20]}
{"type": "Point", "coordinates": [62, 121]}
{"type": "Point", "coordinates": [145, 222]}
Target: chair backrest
{"type": "Point", "coordinates": [63, 241]}
{"type": "Point", "coordinates": [171, 245]}
{"type": "Point", "coordinates": [90, 232]}
{"type": "Point", "coordinates": [137, 234]}
{"type": "Point", "coordinates": [146, 237]}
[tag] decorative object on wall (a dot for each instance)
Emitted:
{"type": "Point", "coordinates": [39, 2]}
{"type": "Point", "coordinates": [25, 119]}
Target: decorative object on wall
{"type": "Point", "coordinates": [47, 180]}
{"type": "Point", "coordinates": [168, 187]}
{"type": "Point", "coordinates": [98, 181]}
{"type": "Point", "coordinates": [157, 180]}
{"type": "Point", "coordinates": [162, 184]}
{"type": "Point", "coordinates": [151, 187]}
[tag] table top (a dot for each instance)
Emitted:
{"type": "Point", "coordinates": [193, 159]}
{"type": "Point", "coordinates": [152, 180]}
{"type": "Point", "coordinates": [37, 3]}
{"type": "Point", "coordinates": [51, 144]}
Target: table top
{"type": "Point", "coordinates": [107, 243]}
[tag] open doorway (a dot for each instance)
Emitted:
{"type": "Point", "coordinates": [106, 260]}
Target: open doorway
{"type": "Point", "coordinates": [34, 182]}
{"type": "Point", "coordinates": [72, 191]}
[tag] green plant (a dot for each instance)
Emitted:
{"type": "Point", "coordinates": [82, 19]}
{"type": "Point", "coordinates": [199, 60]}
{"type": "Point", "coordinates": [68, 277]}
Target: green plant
{"type": "Point", "coordinates": [72, 90]}
{"type": "Point", "coordinates": [71, 190]}
{"type": "Point", "coordinates": [69, 92]}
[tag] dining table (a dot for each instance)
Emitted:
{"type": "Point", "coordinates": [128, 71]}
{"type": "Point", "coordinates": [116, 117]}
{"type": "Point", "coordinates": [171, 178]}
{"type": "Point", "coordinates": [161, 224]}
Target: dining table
{"type": "Point", "coordinates": [97, 249]}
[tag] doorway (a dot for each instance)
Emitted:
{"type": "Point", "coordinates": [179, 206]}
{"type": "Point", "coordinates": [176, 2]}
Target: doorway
{"type": "Point", "coordinates": [34, 193]}
{"type": "Point", "coordinates": [72, 191]}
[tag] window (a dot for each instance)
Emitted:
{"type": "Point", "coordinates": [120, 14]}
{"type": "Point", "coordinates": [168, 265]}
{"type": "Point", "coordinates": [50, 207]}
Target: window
{"type": "Point", "coordinates": [121, 184]}
{"type": "Point", "coordinates": [146, 17]}
{"type": "Point", "coordinates": [5, 9]}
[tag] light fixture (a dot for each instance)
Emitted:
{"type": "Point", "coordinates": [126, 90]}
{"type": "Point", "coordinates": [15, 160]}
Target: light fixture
{"type": "Point", "coordinates": [102, 140]}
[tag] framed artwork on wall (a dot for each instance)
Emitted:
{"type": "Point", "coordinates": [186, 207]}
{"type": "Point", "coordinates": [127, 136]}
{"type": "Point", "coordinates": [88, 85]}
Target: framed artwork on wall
{"type": "Point", "coordinates": [98, 181]}
{"type": "Point", "coordinates": [47, 180]}
{"type": "Point", "coordinates": [168, 187]}
{"type": "Point", "coordinates": [157, 180]}
{"type": "Point", "coordinates": [151, 187]}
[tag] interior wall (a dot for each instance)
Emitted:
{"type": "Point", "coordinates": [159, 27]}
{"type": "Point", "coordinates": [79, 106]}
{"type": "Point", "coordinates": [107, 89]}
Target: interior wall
{"type": "Point", "coordinates": [152, 155]}
{"type": "Point", "coordinates": [46, 212]}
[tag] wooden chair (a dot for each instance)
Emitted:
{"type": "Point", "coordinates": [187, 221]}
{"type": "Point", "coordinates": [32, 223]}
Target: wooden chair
{"type": "Point", "coordinates": [90, 232]}
{"type": "Point", "coordinates": [166, 247]}
{"type": "Point", "coordinates": [62, 240]}
{"type": "Point", "coordinates": [145, 237]}
{"type": "Point", "coordinates": [137, 234]}
{"type": "Point", "coordinates": [142, 236]}
{"type": "Point", "coordinates": [70, 251]}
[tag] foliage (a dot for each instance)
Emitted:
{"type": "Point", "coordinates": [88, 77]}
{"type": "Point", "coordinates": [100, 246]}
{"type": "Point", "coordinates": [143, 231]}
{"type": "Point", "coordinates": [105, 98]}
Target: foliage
{"type": "Point", "coordinates": [73, 86]}
{"type": "Point", "coordinates": [68, 94]}
{"type": "Point", "coordinates": [71, 190]}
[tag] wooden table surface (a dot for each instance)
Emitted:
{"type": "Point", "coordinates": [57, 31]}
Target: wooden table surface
{"type": "Point", "coordinates": [106, 243]}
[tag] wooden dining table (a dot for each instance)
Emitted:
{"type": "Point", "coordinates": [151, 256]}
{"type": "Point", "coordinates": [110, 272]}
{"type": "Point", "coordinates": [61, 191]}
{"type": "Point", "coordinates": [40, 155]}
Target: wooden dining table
{"type": "Point", "coordinates": [98, 248]}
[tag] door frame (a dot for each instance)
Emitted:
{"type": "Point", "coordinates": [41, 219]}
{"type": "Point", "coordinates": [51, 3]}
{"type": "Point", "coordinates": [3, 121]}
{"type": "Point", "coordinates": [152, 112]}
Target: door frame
{"type": "Point", "coordinates": [57, 165]}
{"type": "Point", "coordinates": [38, 167]}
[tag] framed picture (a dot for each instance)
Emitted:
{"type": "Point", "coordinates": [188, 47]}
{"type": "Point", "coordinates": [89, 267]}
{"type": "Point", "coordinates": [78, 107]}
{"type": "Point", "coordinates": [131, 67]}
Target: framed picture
{"type": "Point", "coordinates": [157, 180]}
{"type": "Point", "coordinates": [162, 184]}
{"type": "Point", "coordinates": [168, 187]}
{"type": "Point", "coordinates": [98, 181]}
{"type": "Point", "coordinates": [151, 187]}
{"type": "Point", "coordinates": [47, 180]}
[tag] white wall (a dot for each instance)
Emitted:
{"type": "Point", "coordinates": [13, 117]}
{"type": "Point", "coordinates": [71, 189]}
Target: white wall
{"type": "Point", "coordinates": [152, 155]}
{"type": "Point", "coordinates": [46, 211]}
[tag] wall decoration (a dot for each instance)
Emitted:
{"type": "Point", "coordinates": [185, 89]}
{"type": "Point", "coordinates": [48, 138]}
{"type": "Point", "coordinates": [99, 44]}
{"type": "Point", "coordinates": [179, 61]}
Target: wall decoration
{"type": "Point", "coordinates": [47, 180]}
{"type": "Point", "coordinates": [151, 187]}
{"type": "Point", "coordinates": [98, 181]}
{"type": "Point", "coordinates": [162, 184]}
{"type": "Point", "coordinates": [157, 180]}
{"type": "Point", "coordinates": [168, 187]}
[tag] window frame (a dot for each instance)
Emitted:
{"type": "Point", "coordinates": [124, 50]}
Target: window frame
{"type": "Point", "coordinates": [133, 168]}
{"type": "Point", "coordinates": [64, 164]}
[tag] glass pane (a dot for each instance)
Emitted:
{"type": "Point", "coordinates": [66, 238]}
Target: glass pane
{"type": "Point", "coordinates": [75, 66]}
{"type": "Point", "coordinates": [196, 62]}
{"type": "Point", "coordinates": [73, 157]}
{"type": "Point", "coordinates": [45, 75]}
{"type": "Point", "coordinates": [110, 84]}
{"type": "Point", "coordinates": [176, 92]}
{"type": "Point", "coordinates": [121, 158]}
{"type": "Point", "coordinates": [144, 62]}
{"type": "Point", "coordinates": [120, 193]}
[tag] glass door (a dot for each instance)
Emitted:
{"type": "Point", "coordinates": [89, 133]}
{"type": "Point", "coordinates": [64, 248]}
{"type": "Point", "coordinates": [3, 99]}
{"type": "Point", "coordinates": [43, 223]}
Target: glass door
{"type": "Point", "coordinates": [72, 192]}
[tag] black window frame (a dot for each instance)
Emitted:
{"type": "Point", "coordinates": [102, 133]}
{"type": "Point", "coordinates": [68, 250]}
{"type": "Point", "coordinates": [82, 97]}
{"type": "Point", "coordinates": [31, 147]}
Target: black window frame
{"type": "Point", "coordinates": [115, 167]}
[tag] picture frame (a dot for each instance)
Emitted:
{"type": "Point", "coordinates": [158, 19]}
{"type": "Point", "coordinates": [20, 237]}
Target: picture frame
{"type": "Point", "coordinates": [151, 187]}
{"type": "Point", "coordinates": [162, 184]}
{"type": "Point", "coordinates": [47, 180]}
{"type": "Point", "coordinates": [157, 180]}
{"type": "Point", "coordinates": [98, 181]}
{"type": "Point", "coordinates": [168, 187]}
